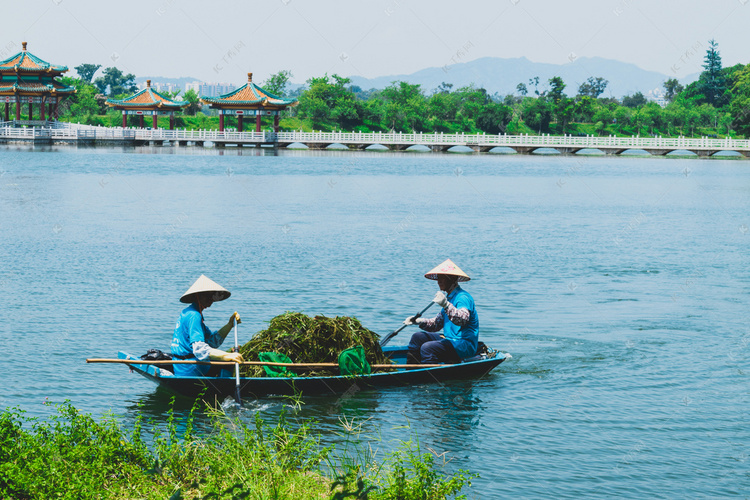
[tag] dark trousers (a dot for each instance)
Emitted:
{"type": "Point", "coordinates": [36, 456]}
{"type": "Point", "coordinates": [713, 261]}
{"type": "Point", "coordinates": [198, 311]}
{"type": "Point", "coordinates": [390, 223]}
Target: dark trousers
{"type": "Point", "coordinates": [427, 347]}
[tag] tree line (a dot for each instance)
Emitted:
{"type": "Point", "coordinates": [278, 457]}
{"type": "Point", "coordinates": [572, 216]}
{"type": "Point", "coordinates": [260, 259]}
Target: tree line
{"type": "Point", "coordinates": [716, 104]}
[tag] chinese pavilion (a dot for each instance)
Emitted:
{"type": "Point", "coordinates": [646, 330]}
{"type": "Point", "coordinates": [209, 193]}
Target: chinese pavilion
{"type": "Point", "coordinates": [249, 100]}
{"type": "Point", "coordinates": [147, 102]}
{"type": "Point", "coordinates": [26, 79]}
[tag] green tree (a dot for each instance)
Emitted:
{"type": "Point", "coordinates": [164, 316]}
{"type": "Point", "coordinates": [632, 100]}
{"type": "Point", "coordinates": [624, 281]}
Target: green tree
{"type": "Point", "coordinates": [471, 100]}
{"type": "Point", "coordinates": [327, 99]}
{"type": "Point", "coordinates": [537, 113]}
{"type": "Point", "coordinates": [535, 83]}
{"type": "Point", "coordinates": [585, 107]}
{"type": "Point", "coordinates": [442, 108]}
{"type": "Point", "coordinates": [671, 88]}
{"type": "Point", "coordinates": [191, 96]}
{"type": "Point", "coordinates": [444, 88]}
{"type": "Point", "coordinates": [85, 101]}
{"type": "Point", "coordinates": [562, 107]}
{"type": "Point", "coordinates": [278, 82]}
{"type": "Point", "coordinates": [522, 89]}
{"type": "Point", "coordinates": [557, 89]}
{"type": "Point", "coordinates": [593, 87]}
{"type": "Point", "coordinates": [634, 101]}
{"type": "Point", "coordinates": [115, 83]}
{"type": "Point", "coordinates": [406, 107]}
{"type": "Point", "coordinates": [494, 118]}
{"type": "Point", "coordinates": [712, 81]}
{"type": "Point", "coordinates": [87, 71]}
{"type": "Point", "coordinates": [740, 106]}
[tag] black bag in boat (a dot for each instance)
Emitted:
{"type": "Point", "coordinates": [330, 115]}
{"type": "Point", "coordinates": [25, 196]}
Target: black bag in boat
{"type": "Point", "coordinates": [158, 355]}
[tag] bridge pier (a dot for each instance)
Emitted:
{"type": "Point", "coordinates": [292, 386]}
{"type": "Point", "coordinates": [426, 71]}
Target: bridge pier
{"type": "Point", "coordinates": [658, 152]}
{"type": "Point", "coordinates": [704, 153]}
{"type": "Point", "coordinates": [612, 151]}
{"type": "Point", "coordinates": [568, 150]}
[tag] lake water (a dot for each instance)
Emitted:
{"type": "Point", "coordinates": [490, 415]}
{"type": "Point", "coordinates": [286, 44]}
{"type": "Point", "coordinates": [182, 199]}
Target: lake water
{"type": "Point", "coordinates": [619, 285]}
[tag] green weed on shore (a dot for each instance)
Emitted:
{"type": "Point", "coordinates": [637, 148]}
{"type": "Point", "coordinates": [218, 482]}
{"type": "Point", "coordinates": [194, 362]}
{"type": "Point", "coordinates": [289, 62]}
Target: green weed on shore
{"type": "Point", "coordinates": [71, 455]}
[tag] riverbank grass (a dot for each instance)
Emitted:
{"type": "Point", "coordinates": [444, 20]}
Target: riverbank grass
{"type": "Point", "coordinates": [72, 455]}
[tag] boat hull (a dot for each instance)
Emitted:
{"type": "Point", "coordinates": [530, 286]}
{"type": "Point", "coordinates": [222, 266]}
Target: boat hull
{"type": "Point", "coordinates": [256, 387]}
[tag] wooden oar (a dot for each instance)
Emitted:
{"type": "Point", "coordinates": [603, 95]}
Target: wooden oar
{"type": "Point", "coordinates": [309, 366]}
{"type": "Point", "coordinates": [388, 337]}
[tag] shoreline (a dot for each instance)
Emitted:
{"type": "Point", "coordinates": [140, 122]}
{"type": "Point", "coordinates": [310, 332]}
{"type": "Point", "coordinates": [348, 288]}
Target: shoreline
{"type": "Point", "coordinates": [269, 150]}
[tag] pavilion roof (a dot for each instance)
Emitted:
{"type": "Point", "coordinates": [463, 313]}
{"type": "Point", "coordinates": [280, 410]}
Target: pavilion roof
{"type": "Point", "coordinates": [249, 95]}
{"type": "Point", "coordinates": [26, 62]}
{"type": "Point", "coordinates": [22, 87]}
{"type": "Point", "coordinates": [147, 98]}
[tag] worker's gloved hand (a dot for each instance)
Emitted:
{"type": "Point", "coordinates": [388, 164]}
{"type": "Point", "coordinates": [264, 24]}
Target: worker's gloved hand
{"type": "Point", "coordinates": [219, 355]}
{"type": "Point", "coordinates": [235, 317]}
{"type": "Point", "coordinates": [234, 356]}
{"type": "Point", "coordinates": [440, 299]}
{"type": "Point", "coordinates": [413, 320]}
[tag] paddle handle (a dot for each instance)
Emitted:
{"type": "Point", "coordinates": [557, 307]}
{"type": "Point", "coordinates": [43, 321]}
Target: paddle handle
{"type": "Point", "coordinates": [246, 363]}
{"type": "Point", "coordinates": [388, 337]}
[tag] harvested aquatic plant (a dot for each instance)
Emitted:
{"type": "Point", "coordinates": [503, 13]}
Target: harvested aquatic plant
{"type": "Point", "coordinates": [311, 340]}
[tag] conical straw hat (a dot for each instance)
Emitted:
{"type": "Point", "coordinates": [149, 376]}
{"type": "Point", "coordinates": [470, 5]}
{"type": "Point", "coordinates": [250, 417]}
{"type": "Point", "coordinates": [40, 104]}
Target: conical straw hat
{"type": "Point", "coordinates": [447, 267]}
{"type": "Point", "coordinates": [204, 284]}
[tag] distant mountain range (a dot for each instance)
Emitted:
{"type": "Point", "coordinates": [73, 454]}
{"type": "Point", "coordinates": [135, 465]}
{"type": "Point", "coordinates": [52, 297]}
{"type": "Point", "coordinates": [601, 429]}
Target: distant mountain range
{"type": "Point", "coordinates": [498, 75]}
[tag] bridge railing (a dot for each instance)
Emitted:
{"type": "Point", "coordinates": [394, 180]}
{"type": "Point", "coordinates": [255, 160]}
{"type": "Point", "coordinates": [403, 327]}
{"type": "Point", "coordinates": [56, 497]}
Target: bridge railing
{"type": "Point", "coordinates": [61, 130]}
{"type": "Point", "coordinates": [460, 139]}
{"type": "Point", "coordinates": [199, 135]}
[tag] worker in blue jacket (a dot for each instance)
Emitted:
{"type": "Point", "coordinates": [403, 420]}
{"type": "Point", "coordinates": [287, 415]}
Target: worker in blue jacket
{"type": "Point", "coordinates": [192, 339]}
{"type": "Point", "coordinates": [458, 319]}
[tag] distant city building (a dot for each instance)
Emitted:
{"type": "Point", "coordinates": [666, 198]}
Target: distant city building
{"type": "Point", "coordinates": [161, 87]}
{"type": "Point", "coordinates": [210, 89]}
{"type": "Point", "coordinates": [657, 95]}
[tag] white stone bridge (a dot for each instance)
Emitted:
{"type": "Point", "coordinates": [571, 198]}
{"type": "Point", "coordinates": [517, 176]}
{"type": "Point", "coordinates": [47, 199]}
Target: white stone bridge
{"type": "Point", "coordinates": [64, 133]}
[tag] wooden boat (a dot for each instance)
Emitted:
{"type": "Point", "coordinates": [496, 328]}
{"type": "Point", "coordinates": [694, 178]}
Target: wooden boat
{"type": "Point", "coordinates": [255, 387]}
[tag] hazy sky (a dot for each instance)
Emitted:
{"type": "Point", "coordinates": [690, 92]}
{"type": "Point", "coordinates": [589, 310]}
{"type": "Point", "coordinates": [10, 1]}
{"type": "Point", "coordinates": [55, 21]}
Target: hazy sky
{"type": "Point", "coordinates": [223, 40]}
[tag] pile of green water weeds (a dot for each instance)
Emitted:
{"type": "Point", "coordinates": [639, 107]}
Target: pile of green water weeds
{"type": "Point", "coordinates": [306, 339]}
{"type": "Point", "coordinates": [70, 455]}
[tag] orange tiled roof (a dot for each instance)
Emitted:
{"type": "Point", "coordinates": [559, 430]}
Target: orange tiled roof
{"type": "Point", "coordinates": [147, 98]}
{"type": "Point", "coordinates": [250, 95]}
{"type": "Point", "coordinates": [27, 62]}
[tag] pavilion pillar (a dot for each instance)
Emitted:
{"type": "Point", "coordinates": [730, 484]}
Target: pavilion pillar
{"type": "Point", "coordinates": [257, 121]}
{"type": "Point", "coordinates": [239, 123]}
{"type": "Point", "coordinates": [41, 112]}
{"type": "Point", "coordinates": [18, 108]}
{"type": "Point", "coordinates": [7, 111]}
{"type": "Point", "coordinates": [124, 119]}
{"type": "Point", "coordinates": [155, 121]}
{"type": "Point", "coordinates": [276, 123]}
{"type": "Point", "coordinates": [140, 121]}
{"type": "Point", "coordinates": [221, 122]}
{"type": "Point", "coordinates": [49, 111]}
{"type": "Point", "coordinates": [31, 111]}
{"type": "Point", "coordinates": [171, 121]}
